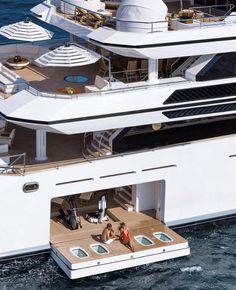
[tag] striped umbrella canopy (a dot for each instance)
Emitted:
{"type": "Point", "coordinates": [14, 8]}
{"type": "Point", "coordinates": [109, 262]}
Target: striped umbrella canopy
{"type": "Point", "coordinates": [68, 55]}
{"type": "Point", "coordinates": [25, 31]}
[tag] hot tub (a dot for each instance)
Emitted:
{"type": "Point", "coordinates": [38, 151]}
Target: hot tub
{"type": "Point", "coordinates": [143, 240]}
{"type": "Point", "coordinates": [99, 249]}
{"type": "Point", "coordinates": [163, 237]}
{"type": "Point", "coordinates": [79, 252]}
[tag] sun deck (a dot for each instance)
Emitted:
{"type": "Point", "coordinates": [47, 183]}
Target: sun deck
{"type": "Point", "coordinates": [91, 20]}
{"type": "Point", "coordinates": [46, 80]}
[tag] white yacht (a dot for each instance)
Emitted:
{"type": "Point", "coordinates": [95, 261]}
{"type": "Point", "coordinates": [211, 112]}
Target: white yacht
{"type": "Point", "coordinates": [133, 120]}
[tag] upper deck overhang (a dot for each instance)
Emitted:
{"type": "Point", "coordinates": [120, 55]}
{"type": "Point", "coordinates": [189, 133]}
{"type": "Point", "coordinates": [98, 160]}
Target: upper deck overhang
{"type": "Point", "coordinates": [118, 108]}
{"type": "Point", "coordinates": [217, 38]}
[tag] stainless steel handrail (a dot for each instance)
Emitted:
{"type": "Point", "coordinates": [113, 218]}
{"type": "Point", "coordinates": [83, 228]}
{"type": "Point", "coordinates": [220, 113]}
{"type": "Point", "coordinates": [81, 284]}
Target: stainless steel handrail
{"type": "Point", "coordinates": [12, 168]}
{"type": "Point", "coordinates": [116, 90]}
{"type": "Point", "coordinates": [214, 7]}
{"type": "Point", "coordinates": [153, 24]}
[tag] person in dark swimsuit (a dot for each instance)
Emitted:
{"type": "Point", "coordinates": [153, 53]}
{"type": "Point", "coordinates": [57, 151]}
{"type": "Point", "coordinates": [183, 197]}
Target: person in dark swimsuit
{"type": "Point", "coordinates": [125, 237]}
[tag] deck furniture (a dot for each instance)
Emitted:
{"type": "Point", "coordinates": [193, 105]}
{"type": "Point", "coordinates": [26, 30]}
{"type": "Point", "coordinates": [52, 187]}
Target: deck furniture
{"type": "Point", "coordinates": [143, 72]}
{"type": "Point", "coordinates": [79, 12]}
{"type": "Point", "coordinates": [7, 138]}
{"type": "Point", "coordinates": [99, 85]}
{"type": "Point", "coordinates": [2, 126]}
{"type": "Point", "coordinates": [3, 148]}
{"type": "Point", "coordinates": [103, 67]}
{"type": "Point", "coordinates": [17, 62]}
{"type": "Point", "coordinates": [131, 71]}
{"type": "Point", "coordinates": [93, 20]}
{"type": "Point", "coordinates": [69, 90]}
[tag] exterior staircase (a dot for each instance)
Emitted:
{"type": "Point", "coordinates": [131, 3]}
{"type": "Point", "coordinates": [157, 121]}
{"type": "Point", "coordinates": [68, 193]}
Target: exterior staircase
{"type": "Point", "coordinates": [101, 144]}
{"type": "Point", "coordinates": [180, 70]}
{"type": "Point", "coordinates": [123, 197]}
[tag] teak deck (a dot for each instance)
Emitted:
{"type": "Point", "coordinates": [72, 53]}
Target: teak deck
{"type": "Point", "coordinates": [63, 239]}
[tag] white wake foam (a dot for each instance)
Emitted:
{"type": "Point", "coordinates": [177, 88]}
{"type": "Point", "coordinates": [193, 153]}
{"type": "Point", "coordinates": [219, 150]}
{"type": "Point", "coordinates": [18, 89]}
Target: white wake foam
{"type": "Point", "coordinates": [192, 269]}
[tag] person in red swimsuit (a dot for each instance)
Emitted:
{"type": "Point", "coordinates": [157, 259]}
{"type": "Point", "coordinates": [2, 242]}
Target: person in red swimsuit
{"type": "Point", "coordinates": [125, 236]}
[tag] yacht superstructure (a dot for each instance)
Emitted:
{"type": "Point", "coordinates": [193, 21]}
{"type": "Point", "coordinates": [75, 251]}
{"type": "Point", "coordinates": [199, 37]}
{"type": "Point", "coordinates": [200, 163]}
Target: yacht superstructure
{"type": "Point", "coordinates": [133, 118]}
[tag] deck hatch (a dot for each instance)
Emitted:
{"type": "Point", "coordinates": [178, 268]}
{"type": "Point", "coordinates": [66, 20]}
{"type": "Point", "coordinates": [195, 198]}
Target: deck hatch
{"type": "Point", "coordinates": [162, 237]}
{"type": "Point", "coordinates": [143, 240]}
{"type": "Point", "coordinates": [99, 249]}
{"type": "Point", "coordinates": [79, 252]}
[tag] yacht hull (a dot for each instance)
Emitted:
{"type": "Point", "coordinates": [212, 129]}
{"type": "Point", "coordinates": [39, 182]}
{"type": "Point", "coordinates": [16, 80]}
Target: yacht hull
{"type": "Point", "coordinates": [198, 178]}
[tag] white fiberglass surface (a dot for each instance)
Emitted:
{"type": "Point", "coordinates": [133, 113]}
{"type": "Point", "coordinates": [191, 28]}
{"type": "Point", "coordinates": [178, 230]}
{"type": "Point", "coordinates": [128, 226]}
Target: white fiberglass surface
{"type": "Point", "coordinates": [79, 252]}
{"type": "Point", "coordinates": [99, 249]}
{"type": "Point", "coordinates": [143, 240]}
{"type": "Point", "coordinates": [162, 237]}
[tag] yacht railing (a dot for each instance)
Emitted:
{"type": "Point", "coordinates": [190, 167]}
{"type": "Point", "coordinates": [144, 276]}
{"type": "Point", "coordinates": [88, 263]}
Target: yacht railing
{"type": "Point", "coordinates": [216, 14]}
{"type": "Point", "coordinates": [215, 10]}
{"type": "Point", "coordinates": [130, 87]}
{"type": "Point", "coordinates": [14, 167]}
{"type": "Point", "coordinates": [59, 164]}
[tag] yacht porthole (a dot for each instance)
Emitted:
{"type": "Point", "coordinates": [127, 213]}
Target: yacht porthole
{"type": "Point", "coordinates": [30, 187]}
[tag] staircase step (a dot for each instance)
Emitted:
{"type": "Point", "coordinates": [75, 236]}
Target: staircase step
{"type": "Point", "coordinates": [107, 134]}
{"type": "Point", "coordinates": [87, 155]}
{"type": "Point", "coordinates": [97, 152]}
{"type": "Point", "coordinates": [128, 190]}
{"type": "Point", "coordinates": [92, 152]}
{"type": "Point", "coordinates": [126, 198]}
{"type": "Point", "coordinates": [103, 151]}
{"type": "Point", "coordinates": [112, 216]}
{"type": "Point", "coordinates": [126, 206]}
{"type": "Point", "coordinates": [98, 144]}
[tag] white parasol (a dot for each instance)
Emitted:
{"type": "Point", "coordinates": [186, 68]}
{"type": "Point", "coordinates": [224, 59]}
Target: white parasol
{"type": "Point", "coordinates": [68, 55]}
{"type": "Point", "coordinates": [25, 31]}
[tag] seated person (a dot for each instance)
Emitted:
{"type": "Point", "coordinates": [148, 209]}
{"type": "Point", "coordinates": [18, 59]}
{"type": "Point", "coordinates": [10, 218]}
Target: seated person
{"type": "Point", "coordinates": [108, 235]}
{"type": "Point", "coordinates": [125, 237]}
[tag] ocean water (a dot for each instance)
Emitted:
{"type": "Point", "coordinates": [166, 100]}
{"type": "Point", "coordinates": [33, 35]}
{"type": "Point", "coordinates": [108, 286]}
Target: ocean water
{"type": "Point", "coordinates": [211, 265]}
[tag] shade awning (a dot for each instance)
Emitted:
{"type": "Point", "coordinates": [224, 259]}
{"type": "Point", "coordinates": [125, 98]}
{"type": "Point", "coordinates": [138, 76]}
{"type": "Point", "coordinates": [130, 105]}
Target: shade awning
{"type": "Point", "coordinates": [69, 55]}
{"type": "Point", "coordinates": [25, 31]}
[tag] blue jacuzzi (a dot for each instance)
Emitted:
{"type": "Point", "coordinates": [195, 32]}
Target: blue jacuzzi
{"type": "Point", "coordinates": [163, 237]}
{"type": "Point", "coordinates": [143, 240]}
{"type": "Point", "coordinates": [79, 252]}
{"type": "Point", "coordinates": [99, 249]}
{"type": "Point", "coordinates": [76, 79]}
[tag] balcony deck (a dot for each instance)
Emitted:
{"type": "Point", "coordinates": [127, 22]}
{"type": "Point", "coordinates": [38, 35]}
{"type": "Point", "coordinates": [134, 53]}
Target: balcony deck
{"type": "Point", "coordinates": [60, 148]}
{"type": "Point", "coordinates": [52, 79]}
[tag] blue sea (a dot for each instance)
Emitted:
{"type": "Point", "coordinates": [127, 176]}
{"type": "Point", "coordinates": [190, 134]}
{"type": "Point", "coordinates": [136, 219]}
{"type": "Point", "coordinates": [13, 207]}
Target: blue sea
{"type": "Point", "coordinates": [211, 265]}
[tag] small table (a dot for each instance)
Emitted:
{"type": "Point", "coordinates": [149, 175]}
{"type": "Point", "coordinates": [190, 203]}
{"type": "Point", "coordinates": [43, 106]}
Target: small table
{"type": "Point", "coordinates": [69, 90]}
{"type": "Point", "coordinates": [17, 63]}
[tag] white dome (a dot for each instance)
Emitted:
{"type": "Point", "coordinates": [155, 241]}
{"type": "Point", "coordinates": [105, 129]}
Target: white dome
{"type": "Point", "coordinates": [140, 11]}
